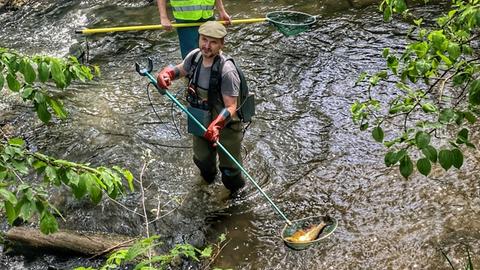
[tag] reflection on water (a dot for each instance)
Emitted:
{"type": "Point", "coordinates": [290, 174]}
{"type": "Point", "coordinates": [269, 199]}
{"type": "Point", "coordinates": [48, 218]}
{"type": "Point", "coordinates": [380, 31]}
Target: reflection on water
{"type": "Point", "coordinates": [302, 148]}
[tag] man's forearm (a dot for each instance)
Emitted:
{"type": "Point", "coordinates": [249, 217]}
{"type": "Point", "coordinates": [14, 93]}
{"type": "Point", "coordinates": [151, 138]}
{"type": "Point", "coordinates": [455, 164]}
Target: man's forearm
{"type": "Point", "coordinates": [219, 6]}
{"type": "Point", "coordinates": [162, 8]}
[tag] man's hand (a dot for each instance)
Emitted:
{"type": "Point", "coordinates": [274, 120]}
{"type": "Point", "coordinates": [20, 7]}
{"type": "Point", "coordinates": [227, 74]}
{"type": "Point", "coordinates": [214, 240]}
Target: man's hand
{"type": "Point", "coordinates": [213, 131]}
{"type": "Point", "coordinates": [225, 17]}
{"type": "Point", "coordinates": [166, 23]}
{"type": "Point", "coordinates": [165, 77]}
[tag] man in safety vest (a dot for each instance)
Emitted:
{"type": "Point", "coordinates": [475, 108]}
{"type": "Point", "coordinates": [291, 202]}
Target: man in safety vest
{"type": "Point", "coordinates": [187, 11]}
{"type": "Point", "coordinates": [213, 99]}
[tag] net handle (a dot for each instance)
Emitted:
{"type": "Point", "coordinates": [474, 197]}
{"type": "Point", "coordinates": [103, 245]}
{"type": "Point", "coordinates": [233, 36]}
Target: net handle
{"type": "Point", "coordinates": [89, 31]}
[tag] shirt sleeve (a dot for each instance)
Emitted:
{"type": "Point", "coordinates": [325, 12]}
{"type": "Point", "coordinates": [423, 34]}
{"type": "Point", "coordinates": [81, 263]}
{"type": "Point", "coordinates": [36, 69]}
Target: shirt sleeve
{"type": "Point", "coordinates": [230, 80]}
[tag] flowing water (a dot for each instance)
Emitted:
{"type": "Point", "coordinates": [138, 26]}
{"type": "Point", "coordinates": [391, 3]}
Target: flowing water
{"type": "Point", "coordinates": [302, 148]}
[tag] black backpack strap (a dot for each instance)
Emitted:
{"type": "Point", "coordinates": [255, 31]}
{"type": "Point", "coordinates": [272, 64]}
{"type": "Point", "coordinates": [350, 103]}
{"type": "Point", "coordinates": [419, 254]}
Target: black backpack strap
{"type": "Point", "coordinates": [194, 71]}
{"type": "Point", "coordinates": [214, 93]}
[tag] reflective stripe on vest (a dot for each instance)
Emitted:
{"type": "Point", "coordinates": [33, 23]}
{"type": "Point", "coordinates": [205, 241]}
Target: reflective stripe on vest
{"type": "Point", "coordinates": [192, 9]}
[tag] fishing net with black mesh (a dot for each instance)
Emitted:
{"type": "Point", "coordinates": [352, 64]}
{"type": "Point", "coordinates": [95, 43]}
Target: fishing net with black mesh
{"type": "Point", "coordinates": [291, 23]}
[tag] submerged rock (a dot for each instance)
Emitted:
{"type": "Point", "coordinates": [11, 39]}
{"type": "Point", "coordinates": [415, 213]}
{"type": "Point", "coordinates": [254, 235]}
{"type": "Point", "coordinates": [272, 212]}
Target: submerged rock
{"type": "Point", "coordinates": [12, 4]}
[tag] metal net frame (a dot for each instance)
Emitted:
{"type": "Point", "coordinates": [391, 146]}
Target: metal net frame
{"type": "Point", "coordinates": [291, 23]}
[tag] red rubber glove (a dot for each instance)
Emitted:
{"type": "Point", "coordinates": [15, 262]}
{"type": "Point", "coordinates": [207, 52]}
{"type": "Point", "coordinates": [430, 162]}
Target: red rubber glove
{"type": "Point", "coordinates": [213, 131]}
{"type": "Point", "coordinates": [165, 77]}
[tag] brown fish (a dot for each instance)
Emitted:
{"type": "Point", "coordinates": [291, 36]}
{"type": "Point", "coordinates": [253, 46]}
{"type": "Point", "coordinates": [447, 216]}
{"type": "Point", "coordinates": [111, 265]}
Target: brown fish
{"type": "Point", "coordinates": [304, 236]}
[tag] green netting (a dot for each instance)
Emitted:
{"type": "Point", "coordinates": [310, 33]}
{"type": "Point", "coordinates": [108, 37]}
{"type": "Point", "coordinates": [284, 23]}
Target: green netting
{"type": "Point", "coordinates": [291, 23]}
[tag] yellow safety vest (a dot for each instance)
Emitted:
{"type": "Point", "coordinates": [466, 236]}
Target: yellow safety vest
{"type": "Point", "coordinates": [192, 9]}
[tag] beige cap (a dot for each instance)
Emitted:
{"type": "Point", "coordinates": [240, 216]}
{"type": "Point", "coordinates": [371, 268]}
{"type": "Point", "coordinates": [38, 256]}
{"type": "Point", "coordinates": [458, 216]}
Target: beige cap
{"type": "Point", "coordinates": [212, 29]}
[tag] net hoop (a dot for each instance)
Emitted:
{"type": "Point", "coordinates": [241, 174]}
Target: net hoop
{"type": "Point", "coordinates": [308, 19]}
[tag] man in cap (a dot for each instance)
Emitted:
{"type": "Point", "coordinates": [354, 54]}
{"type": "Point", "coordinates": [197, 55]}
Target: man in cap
{"type": "Point", "coordinates": [188, 11]}
{"type": "Point", "coordinates": [213, 91]}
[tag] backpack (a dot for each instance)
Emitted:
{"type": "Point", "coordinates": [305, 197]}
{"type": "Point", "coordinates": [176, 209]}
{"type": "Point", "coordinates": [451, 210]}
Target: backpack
{"type": "Point", "coordinates": [246, 101]}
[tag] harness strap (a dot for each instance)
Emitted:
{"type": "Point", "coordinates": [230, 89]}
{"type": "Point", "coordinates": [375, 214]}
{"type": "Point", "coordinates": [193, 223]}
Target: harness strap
{"type": "Point", "coordinates": [214, 85]}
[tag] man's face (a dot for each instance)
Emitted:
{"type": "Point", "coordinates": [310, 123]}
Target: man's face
{"type": "Point", "coordinates": [210, 47]}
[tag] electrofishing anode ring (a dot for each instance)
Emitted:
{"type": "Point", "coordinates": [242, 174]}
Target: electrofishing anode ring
{"type": "Point", "coordinates": [147, 72]}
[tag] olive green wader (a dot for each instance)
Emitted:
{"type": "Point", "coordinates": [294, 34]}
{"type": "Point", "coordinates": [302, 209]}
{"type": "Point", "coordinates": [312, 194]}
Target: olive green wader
{"type": "Point", "coordinates": [205, 154]}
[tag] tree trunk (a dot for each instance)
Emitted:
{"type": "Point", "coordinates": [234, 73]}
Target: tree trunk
{"type": "Point", "coordinates": [63, 241]}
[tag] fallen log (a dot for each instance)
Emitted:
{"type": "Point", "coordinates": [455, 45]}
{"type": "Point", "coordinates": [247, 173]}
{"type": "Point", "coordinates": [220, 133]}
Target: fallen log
{"type": "Point", "coordinates": [64, 241]}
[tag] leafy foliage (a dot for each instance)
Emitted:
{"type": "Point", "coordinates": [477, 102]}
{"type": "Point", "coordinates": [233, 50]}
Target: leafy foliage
{"type": "Point", "coordinates": [23, 200]}
{"type": "Point", "coordinates": [140, 255]}
{"type": "Point", "coordinates": [31, 78]}
{"type": "Point", "coordinates": [437, 90]}
{"type": "Point", "coordinates": [35, 79]}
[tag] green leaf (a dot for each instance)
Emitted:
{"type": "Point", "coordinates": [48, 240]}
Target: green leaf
{"type": "Point", "coordinates": [422, 66]}
{"type": "Point", "coordinates": [400, 6]}
{"type": "Point", "coordinates": [363, 126]}
{"type": "Point", "coordinates": [2, 81]}
{"type": "Point", "coordinates": [462, 136]}
{"type": "Point", "coordinates": [387, 14]}
{"type": "Point", "coordinates": [48, 223]}
{"type": "Point", "coordinates": [20, 166]}
{"type": "Point", "coordinates": [57, 73]}
{"type": "Point", "coordinates": [457, 158]}
{"type": "Point", "coordinates": [222, 238]}
{"type": "Point", "coordinates": [26, 209]}
{"type": "Point", "coordinates": [43, 71]}
{"type": "Point", "coordinates": [390, 159]}
{"type": "Point", "coordinates": [446, 116]}
{"type": "Point", "coordinates": [430, 152]}
{"type": "Point", "coordinates": [454, 50]}
{"type": "Point", "coordinates": [473, 93]}
{"type": "Point", "coordinates": [51, 174]}
{"type": "Point", "coordinates": [73, 177]}
{"type": "Point", "coordinates": [445, 59]}
{"type": "Point", "coordinates": [361, 77]}
{"type": "Point", "coordinates": [16, 142]}
{"type": "Point", "coordinates": [422, 139]}
{"type": "Point", "coordinates": [438, 40]}
{"type": "Point", "coordinates": [392, 63]}
{"type": "Point", "coordinates": [10, 211]}
{"type": "Point", "coordinates": [12, 82]}
{"type": "Point", "coordinates": [39, 97]}
{"type": "Point", "coordinates": [206, 252]}
{"type": "Point", "coordinates": [460, 78]}
{"type": "Point", "coordinates": [57, 108]}
{"type": "Point", "coordinates": [39, 165]}
{"type": "Point", "coordinates": [7, 195]}
{"type": "Point", "coordinates": [406, 166]}
{"type": "Point", "coordinates": [386, 52]}
{"type": "Point", "coordinates": [424, 166]}
{"type": "Point", "coordinates": [94, 190]}
{"type": "Point", "coordinates": [96, 70]}
{"type": "Point", "coordinates": [418, 22]}
{"type": "Point", "coordinates": [445, 158]}
{"type": "Point", "coordinates": [128, 176]}
{"type": "Point", "coordinates": [377, 134]}
{"type": "Point", "coordinates": [470, 117]}
{"type": "Point", "coordinates": [420, 48]}
{"type": "Point", "coordinates": [28, 72]}
{"type": "Point", "coordinates": [42, 112]}
{"type": "Point", "coordinates": [81, 188]}
{"type": "Point", "coordinates": [27, 92]}
{"type": "Point", "coordinates": [429, 107]}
